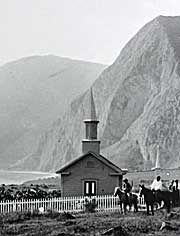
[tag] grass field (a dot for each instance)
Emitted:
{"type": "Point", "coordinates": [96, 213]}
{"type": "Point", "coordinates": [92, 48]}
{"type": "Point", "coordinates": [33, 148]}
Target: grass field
{"type": "Point", "coordinates": [87, 224]}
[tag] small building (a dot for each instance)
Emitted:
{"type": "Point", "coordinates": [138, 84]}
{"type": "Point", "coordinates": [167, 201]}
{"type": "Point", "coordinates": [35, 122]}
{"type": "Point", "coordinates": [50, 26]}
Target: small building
{"type": "Point", "coordinates": [90, 174]}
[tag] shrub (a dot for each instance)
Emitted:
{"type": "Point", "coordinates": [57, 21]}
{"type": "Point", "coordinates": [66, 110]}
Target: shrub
{"type": "Point", "coordinates": [33, 213]}
{"type": "Point", "coordinates": [90, 205]}
{"type": "Point", "coordinates": [52, 214]}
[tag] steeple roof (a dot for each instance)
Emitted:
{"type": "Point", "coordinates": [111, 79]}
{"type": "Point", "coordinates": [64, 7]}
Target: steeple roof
{"type": "Point", "coordinates": [92, 110]}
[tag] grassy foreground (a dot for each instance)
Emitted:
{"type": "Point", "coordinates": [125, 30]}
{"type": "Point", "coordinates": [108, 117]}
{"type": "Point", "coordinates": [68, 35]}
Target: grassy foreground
{"type": "Point", "coordinates": [87, 224]}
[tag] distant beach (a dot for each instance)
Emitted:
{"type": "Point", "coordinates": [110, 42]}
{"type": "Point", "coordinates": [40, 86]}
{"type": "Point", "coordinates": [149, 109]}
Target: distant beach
{"type": "Point", "coordinates": [19, 177]}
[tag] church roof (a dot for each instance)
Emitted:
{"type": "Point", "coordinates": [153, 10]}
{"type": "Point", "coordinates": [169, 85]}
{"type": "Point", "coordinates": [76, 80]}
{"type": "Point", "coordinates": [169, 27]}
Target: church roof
{"type": "Point", "coordinates": [100, 158]}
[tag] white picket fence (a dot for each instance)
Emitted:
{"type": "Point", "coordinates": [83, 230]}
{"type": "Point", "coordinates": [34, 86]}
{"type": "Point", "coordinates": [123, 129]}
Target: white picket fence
{"type": "Point", "coordinates": [67, 204]}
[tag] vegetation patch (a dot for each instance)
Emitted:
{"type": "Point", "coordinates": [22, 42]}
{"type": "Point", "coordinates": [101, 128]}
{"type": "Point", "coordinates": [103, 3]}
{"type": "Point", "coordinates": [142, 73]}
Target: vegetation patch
{"type": "Point", "coordinates": [86, 224]}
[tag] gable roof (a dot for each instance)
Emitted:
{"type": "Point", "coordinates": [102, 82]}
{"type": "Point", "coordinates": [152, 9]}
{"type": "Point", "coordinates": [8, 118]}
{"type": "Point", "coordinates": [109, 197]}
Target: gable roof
{"type": "Point", "coordinates": [99, 157]}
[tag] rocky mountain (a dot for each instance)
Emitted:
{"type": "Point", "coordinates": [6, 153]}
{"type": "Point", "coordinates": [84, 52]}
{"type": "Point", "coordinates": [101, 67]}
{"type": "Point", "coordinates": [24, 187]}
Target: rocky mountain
{"type": "Point", "coordinates": [137, 101]}
{"type": "Point", "coordinates": [35, 91]}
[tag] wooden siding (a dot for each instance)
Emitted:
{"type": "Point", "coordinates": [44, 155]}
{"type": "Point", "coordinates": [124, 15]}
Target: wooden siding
{"type": "Point", "coordinates": [72, 185]}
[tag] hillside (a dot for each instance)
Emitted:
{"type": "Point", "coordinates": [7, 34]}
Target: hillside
{"type": "Point", "coordinates": [137, 101]}
{"type": "Point", "coordinates": [34, 92]}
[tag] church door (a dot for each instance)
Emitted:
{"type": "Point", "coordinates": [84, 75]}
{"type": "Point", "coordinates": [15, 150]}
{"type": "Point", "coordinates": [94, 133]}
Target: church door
{"type": "Point", "coordinates": [89, 188]}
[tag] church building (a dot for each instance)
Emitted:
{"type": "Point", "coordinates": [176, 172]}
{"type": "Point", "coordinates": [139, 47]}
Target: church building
{"type": "Point", "coordinates": [91, 173]}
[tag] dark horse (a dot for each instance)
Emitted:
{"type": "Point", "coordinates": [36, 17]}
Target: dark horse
{"type": "Point", "coordinates": [126, 200]}
{"type": "Point", "coordinates": [176, 197]}
{"type": "Point", "coordinates": [151, 198]}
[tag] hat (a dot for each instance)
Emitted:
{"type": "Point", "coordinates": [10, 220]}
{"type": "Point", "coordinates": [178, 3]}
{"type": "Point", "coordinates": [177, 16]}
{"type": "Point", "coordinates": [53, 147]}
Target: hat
{"type": "Point", "coordinates": [125, 180]}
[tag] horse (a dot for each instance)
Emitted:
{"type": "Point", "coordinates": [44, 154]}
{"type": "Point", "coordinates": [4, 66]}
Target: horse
{"type": "Point", "coordinates": [151, 197]}
{"type": "Point", "coordinates": [167, 197]}
{"type": "Point", "coordinates": [175, 198]}
{"type": "Point", "coordinates": [126, 200]}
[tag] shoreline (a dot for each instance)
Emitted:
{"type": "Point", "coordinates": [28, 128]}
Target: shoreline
{"type": "Point", "coordinates": [8, 177]}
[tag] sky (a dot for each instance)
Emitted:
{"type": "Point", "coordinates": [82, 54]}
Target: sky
{"type": "Point", "coordinates": [90, 30]}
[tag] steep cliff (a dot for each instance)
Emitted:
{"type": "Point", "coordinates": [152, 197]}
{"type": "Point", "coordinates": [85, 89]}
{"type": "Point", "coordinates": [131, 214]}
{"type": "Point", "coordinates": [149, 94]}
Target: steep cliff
{"type": "Point", "coordinates": [137, 101]}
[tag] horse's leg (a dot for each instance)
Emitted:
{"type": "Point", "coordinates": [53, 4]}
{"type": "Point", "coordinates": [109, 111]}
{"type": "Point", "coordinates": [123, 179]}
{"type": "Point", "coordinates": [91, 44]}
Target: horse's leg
{"type": "Point", "coordinates": [135, 207]}
{"type": "Point", "coordinates": [168, 205]}
{"type": "Point", "coordinates": [121, 208]}
{"type": "Point", "coordinates": [173, 199]}
{"type": "Point", "coordinates": [173, 202]}
{"type": "Point", "coordinates": [147, 206]}
{"type": "Point", "coordinates": [136, 204]}
{"type": "Point", "coordinates": [152, 208]}
{"type": "Point", "coordinates": [178, 198]}
{"type": "Point", "coordinates": [125, 205]}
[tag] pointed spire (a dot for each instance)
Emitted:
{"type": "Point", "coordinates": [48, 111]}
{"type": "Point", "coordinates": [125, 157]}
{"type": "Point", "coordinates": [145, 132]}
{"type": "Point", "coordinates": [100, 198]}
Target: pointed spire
{"type": "Point", "coordinates": [91, 143]}
{"type": "Point", "coordinates": [92, 115]}
{"type": "Point", "coordinates": [157, 164]}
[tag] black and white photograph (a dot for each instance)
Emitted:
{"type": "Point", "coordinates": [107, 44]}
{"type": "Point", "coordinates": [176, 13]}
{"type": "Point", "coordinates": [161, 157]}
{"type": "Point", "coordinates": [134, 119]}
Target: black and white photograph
{"type": "Point", "coordinates": [90, 117]}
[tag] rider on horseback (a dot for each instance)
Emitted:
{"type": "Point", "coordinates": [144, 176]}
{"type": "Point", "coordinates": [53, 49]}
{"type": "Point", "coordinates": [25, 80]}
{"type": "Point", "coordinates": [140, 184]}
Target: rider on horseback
{"type": "Point", "coordinates": [127, 188]}
{"type": "Point", "coordinates": [156, 187]}
{"type": "Point", "coordinates": [157, 184]}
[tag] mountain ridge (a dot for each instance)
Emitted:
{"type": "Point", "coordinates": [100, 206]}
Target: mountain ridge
{"type": "Point", "coordinates": [133, 97]}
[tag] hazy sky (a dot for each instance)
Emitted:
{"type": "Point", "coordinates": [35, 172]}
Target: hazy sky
{"type": "Point", "coordinates": [91, 30]}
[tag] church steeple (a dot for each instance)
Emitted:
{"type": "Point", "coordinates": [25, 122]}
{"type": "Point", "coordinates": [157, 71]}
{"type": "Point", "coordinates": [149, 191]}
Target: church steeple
{"type": "Point", "coordinates": [92, 107]}
{"type": "Point", "coordinates": [90, 143]}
